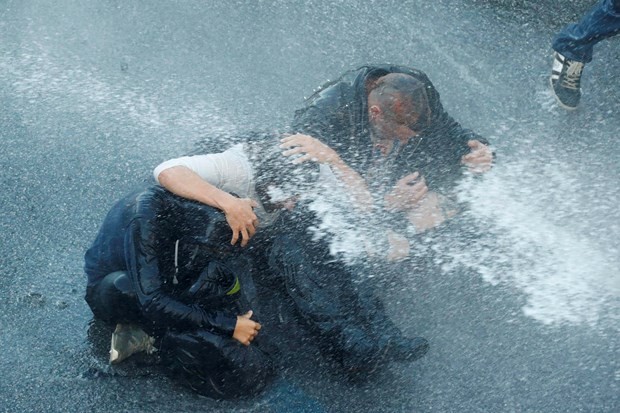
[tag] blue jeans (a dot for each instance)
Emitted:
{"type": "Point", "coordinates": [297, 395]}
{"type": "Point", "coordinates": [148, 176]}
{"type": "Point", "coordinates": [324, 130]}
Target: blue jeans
{"type": "Point", "coordinates": [576, 41]}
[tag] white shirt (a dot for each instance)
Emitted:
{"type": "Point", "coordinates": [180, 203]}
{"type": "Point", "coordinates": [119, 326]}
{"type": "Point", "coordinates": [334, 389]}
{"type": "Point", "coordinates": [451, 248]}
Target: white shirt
{"type": "Point", "coordinates": [229, 171]}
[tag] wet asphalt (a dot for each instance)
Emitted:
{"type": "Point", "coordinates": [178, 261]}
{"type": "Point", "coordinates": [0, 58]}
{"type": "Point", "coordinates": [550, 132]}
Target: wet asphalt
{"type": "Point", "coordinates": [95, 94]}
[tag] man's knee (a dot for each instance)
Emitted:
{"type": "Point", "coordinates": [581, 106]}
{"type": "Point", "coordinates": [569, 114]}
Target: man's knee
{"type": "Point", "coordinates": [113, 299]}
{"type": "Point", "coordinates": [216, 366]}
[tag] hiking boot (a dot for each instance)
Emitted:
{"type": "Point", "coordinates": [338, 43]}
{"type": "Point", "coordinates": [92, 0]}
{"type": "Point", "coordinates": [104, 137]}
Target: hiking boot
{"type": "Point", "coordinates": [401, 348]}
{"type": "Point", "coordinates": [566, 81]}
{"type": "Point", "coordinates": [129, 339]}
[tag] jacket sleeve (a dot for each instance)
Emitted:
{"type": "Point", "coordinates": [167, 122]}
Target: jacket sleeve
{"type": "Point", "coordinates": [156, 305]}
{"type": "Point", "coordinates": [307, 120]}
{"type": "Point", "coordinates": [468, 135]}
{"type": "Point", "coordinates": [324, 116]}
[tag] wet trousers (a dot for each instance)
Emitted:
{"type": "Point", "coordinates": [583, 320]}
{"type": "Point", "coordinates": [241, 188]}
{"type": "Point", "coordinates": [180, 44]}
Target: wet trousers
{"type": "Point", "coordinates": [335, 301]}
{"type": "Point", "coordinates": [576, 41]}
{"type": "Point", "coordinates": [213, 365]}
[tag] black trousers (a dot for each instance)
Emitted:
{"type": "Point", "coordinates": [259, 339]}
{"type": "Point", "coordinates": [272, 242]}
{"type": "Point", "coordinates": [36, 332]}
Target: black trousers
{"type": "Point", "coordinates": [211, 364]}
{"type": "Point", "coordinates": [336, 301]}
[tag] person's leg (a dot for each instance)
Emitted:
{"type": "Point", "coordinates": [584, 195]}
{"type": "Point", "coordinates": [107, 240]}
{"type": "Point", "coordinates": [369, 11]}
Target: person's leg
{"type": "Point", "coordinates": [574, 46]}
{"type": "Point", "coordinates": [342, 309]}
{"type": "Point", "coordinates": [216, 366]}
{"type": "Point", "coordinates": [113, 300]}
{"type": "Point", "coordinates": [382, 327]}
{"type": "Point", "coordinates": [576, 41]}
{"type": "Point", "coordinates": [324, 297]}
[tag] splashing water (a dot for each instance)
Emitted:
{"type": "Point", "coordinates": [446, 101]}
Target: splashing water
{"type": "Point", "coordinates": [566, 275]}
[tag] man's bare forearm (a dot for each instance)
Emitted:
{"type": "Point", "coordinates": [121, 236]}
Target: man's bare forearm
{"type": "Point", "coordinates": [184, 182]}
{"type": "Point", "coordinates": [356, 185]}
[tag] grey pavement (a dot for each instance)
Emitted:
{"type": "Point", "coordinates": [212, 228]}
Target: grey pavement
{"type": "Point", "coordinates": [521, 306]}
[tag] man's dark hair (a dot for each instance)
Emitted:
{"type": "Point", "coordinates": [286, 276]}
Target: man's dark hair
{"type": "Point", "coordinates": [403, 99]}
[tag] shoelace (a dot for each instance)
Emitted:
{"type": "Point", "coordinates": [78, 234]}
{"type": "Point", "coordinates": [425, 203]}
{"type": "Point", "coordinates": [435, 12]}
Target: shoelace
{"type": "Point", "coordinates": [144, 343]}
{"type": "Point", "coordinates": [573, 75]}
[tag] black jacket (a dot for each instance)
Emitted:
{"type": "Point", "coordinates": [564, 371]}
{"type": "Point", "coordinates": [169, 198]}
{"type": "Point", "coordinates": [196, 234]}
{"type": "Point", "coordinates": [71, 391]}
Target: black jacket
{"type": "Point", "coordinates": [178, 256]}
{"type": "Point", "coordinates": [337, 114]}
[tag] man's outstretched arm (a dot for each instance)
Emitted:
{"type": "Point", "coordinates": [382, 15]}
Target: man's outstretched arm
{"type": "Point", "coordinates": [184, 182]}
{"type": "Point", "coordinates": [312, 149]}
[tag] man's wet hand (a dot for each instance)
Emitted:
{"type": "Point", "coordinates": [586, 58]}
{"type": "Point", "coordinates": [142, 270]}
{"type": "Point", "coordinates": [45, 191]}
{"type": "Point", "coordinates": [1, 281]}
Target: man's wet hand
{"type": "Point", "coordinates": [246, 330]}
{"type": "Point", "coordinates": [241, 218]}
{"type": "Point", "coordinates": [407, 192]}
{"type": "Point", "coordinates": [312, 149]}
{"type": "Point", "coordinates": [480, 159]}
{"type": "Point", "coordinates": [398, 246]}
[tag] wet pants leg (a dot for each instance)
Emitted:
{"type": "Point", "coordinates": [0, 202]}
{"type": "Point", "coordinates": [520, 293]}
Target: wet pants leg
{"type": "Point", "coordinates": [576, 41]}
{"type": "Point", "coordinates": [328, 299]}
{"type": "Point", "coordinates": [113, 300]}
{"type": "Point", "coordinates": [215, 366]}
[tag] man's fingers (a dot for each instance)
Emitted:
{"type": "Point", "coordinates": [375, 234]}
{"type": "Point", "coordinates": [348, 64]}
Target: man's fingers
{"type": "Point", "coordinates": [423, 192]}
{"type": "Point", "coordinates": [407, 179]}
{"type": "Point", "coordinates": [245, 237]}
{"type": "Point", "coordinates": [298, 137]}
{"type": "Point", "coordinates": [417, 184]}
{"type": "Point", "coordinates": [251, 228]}
{"type": "Point", "coordinates": [248, 314]}
{"type": "Point", "coordinates": [478, 169]}
{"type": "Point", "coordinates": [235, 237]}
{"type": "Point", "coordinates": [475, 143]}
{"type": "Point", "coordinates": [251, 231]}
{"type": "Point", "coordinates": [478, 157]}
{"type": "Point", "coordinates": [258, 326]}
{"type": "Point", "coordinates": [305, 158]}
{"type": "Point", "coordinates": [292, 141]}
{"type": "Point", "coordinates": [480, 152]}
{"type": "Point", "coordinates": [471, 157]}
{"type": "Point", "coordinates": [297, 149]}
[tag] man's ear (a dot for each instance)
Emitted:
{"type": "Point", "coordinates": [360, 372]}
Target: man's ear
{"type": "Point", "coordinates": [374, 111]}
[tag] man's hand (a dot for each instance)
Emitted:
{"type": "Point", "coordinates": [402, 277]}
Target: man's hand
{"type": "Point", "coordinates": [316, 151]}
{"type": "Point", "coordinates": [398, 246]}
{"type": "Point", "coordinates": [480, 158]}
{"type": "Point", "coordinates": [313, 149]}
{"type": "Point", "coordinates": [430, 212]}
{"type": "Point", "coordinates": [241, 218]}
{"type": "Point", "coordinates": [407, 192]}
{"type": "Point", "coordinates": [246, 330]}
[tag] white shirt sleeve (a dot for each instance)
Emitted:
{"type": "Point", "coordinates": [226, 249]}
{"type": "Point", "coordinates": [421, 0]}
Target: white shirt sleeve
{"type": "Point", "coordinates": [229, 170]}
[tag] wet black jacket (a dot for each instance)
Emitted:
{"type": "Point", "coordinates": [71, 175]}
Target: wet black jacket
{"type": "Point", "coordinates": [178, 256]}
{"type": "Point", "coordinates": [337, 114]}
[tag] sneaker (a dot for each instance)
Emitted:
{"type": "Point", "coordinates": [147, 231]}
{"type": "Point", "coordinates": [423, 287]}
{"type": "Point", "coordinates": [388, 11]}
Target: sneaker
{"type": "Point", "coordinates": [129, 339]}
{"type": "Point", "coordinates": [566, 81]}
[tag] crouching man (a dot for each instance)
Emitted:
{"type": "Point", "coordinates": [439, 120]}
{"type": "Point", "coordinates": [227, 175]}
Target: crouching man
{"type": "Point", "coordinates": [163, 270]}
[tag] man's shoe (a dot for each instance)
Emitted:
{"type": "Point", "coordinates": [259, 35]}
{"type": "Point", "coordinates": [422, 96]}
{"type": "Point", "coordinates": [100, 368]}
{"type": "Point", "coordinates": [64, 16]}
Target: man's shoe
{"type": "Point", "coordinates": [129, 339]}
{"type": "Point", "coordinates": [566, 81]}
{"type": "Point", "coordinates": [401, 348]}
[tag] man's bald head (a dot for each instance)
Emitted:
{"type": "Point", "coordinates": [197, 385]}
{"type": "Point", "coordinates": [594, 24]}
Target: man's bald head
{"type": "Point", "coordinates": [402, 99]}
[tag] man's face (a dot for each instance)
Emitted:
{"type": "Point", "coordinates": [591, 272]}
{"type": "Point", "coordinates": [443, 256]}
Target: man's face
{"type": "Point", "coordinates": [387, 134]}
{"type": "Point", "coordinates": [390, 118]}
